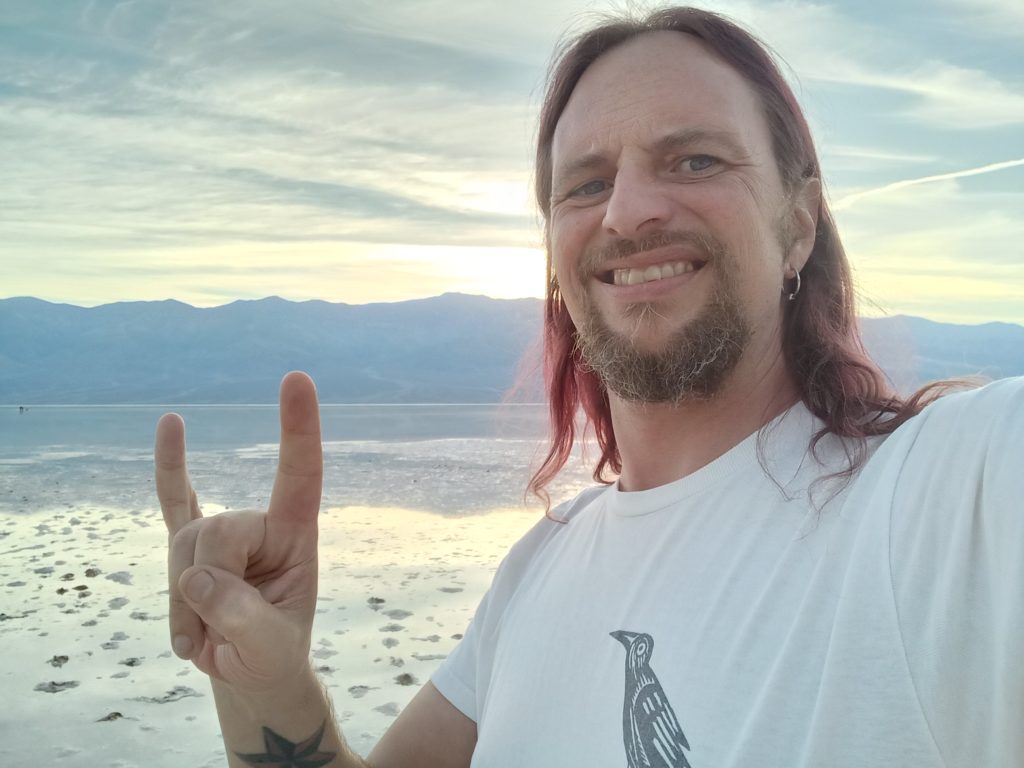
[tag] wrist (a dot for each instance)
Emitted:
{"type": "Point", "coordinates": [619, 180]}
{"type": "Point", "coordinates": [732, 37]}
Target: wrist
{"type": "Point", "coordinates": [296, 712]}
{"type": "Point", "coordinates": [297, 691]}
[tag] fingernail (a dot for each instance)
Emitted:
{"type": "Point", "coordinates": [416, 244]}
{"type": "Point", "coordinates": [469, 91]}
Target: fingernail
{"type": "Point", "coordinates": [198, 587]}
{"type": "Point", "coordinates": [182, 645]}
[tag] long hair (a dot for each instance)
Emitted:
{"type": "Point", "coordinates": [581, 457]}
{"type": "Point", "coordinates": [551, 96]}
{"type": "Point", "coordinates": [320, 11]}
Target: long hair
{"type": "Point", "coordinates": [822, 347]}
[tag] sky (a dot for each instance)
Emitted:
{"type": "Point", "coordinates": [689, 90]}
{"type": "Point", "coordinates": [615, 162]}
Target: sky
{"type": "Point", "coordinates": [360, 151]}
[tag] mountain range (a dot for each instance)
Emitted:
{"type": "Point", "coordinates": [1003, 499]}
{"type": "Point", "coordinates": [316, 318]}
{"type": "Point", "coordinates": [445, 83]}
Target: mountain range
{"type": "Point", "coordinates": [445, 349]}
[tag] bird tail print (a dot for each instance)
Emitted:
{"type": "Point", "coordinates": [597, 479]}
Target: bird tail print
{"type": "Point", "coordinates": [651, 732]}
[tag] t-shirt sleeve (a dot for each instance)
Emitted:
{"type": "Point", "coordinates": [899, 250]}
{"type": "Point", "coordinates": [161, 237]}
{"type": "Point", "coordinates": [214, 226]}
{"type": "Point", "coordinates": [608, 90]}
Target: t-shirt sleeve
{"type": "Point", "coordinates": [463, 677]}
{"type": "Point", "coordinates": [957, 561]}
{"type": "Point", "coordinates": [456, 677]}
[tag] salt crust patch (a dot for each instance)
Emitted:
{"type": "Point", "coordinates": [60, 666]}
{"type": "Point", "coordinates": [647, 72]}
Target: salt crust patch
{"type": "Point", "coordinates": [417, 575]}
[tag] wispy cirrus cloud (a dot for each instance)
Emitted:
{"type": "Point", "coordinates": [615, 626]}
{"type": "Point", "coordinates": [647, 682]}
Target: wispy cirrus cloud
{"type": "Point", "coordinates": [853, 197]}
{"type": "Point", "coordinates": [947, 95]}
{"type": "Point", "coordinates": [841, 44]}
{"type": "Point", "coordinates": [939, 244]}
{"type": "Point", "coordinates": [988, 18]}
{"type": "Point", "coordinates": [387, 147]}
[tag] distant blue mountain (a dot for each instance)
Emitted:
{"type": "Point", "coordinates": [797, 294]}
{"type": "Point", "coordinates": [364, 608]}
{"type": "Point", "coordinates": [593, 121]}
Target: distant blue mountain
{"type": "Point", "coordinates": [450, 348]}
{"type": "Point", "coordinates": [914, 351]}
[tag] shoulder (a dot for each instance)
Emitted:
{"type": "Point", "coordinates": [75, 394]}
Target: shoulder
{"type": "Point", "coordinates": [524, 558]}
{"type": "Point", "coordinates": [579, 503]}
{"type": "Point", "coordinates": [974, 421]}
{"type": "Point", "coordinates": [555, 524]}
{"type": "Point", "coordinates": [956, 540]}
{"type": "Point", "coordinates": [959, 469]}
{"type": "Point", "coordinates": [964, 451]}
{"type": "Point", "coordinates": [997, 403]}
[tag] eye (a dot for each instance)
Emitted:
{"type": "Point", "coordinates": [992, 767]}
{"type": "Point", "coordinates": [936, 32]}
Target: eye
{"type": "Point", "coordinates": [697, 164]}
{"type": "Point", "coordinates": [591, 188]}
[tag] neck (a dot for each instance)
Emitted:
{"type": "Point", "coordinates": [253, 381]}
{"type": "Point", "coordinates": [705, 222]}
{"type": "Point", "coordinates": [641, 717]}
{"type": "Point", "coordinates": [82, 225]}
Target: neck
{"type": "Point", "coordinates": [660, 443]}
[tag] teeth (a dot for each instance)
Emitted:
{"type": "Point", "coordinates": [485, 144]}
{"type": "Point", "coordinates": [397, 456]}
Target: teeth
{"type": "Point", "coordinates": [651, 273]}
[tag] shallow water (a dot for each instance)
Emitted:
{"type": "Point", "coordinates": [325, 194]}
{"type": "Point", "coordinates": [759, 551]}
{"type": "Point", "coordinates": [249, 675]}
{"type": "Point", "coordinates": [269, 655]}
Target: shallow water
{"type": "Point", "coordinates": [420, 504]}
{"type": "Point", "coordinates": [438, 458]}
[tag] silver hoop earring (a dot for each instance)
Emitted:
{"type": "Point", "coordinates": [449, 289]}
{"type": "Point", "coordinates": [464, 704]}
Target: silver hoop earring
{"type": "Point", "coordinates": [792, 296]}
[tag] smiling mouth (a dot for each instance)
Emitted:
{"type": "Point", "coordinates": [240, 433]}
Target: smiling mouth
{"type": "Point", "coordinates": [640, 275]}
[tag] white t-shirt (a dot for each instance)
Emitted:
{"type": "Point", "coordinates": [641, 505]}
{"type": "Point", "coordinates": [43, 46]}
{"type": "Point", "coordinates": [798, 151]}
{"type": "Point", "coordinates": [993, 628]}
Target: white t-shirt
{"type": "Point", "coordinates": [723, 620]}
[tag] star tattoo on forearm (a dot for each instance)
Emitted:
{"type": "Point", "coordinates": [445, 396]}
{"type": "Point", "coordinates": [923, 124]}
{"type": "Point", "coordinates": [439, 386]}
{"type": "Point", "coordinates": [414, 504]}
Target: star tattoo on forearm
{"type": "Point", "coordinates": [282, 753]}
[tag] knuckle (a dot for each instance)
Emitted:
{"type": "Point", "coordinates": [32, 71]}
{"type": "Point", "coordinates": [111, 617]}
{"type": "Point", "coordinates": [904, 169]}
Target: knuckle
{"type": "Point", "coordinates": [217, 531]}
{"type": "Point", "coordinates": [233, 622]}
{"type": "Point", "coordinates": [170, 504]}
{"type": "Point", "coordinates": [225, 537]}
{"type": "Point", "coordinates": [184, 539]}
{"type": "Point", "coordinates": [299, 469]}
{"type": "Point", "coordinates": [171, 463]}
{"type": "Point", "coordinates": [182, 619]}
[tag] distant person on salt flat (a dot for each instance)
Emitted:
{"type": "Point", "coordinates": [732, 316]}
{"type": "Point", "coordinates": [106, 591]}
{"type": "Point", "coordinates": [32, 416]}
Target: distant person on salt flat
{"type": "Point", "coordinates": [785, 564]}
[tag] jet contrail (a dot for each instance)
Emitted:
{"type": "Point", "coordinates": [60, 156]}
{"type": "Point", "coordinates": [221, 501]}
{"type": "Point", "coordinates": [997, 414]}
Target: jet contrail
{"type": "Point", "coordinates": [850, 199]}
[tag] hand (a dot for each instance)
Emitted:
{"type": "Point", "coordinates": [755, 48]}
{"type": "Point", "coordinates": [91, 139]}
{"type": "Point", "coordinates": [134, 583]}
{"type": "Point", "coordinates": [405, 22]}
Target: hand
{"type": "Point", "coordinates": [243, 584]}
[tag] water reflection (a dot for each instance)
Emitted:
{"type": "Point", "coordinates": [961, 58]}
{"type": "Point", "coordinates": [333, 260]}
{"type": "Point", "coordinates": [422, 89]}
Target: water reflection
{"type": "Point", "coordinates": [84, 602]}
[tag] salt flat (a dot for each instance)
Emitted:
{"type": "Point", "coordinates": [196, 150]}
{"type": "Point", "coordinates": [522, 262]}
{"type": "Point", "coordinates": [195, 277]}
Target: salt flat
{"type": "Point", "coordinates": [414, 521]}
{"type": "Point", "coordinates": [88, 675]}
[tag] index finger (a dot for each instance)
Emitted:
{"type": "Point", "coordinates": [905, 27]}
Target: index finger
{"type": "Point", "coordinates": [300, 465]}
{"type": "Point", "coordinates": [173, 488]}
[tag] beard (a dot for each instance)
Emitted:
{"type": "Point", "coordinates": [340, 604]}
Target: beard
{"type": "Point", "coordinates": [694, 362]}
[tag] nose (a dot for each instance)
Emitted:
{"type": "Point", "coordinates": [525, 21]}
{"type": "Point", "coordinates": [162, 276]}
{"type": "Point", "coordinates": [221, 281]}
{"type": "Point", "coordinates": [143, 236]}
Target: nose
{"type": "Point", "coordinates": [637, 204]}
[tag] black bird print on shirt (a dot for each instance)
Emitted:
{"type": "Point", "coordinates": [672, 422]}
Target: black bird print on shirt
{"type": "Point", "coordinates": [650, 730]}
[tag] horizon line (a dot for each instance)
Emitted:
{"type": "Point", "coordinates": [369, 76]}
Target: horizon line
{"type": "Point", "coordinates": [860, 316]}
{"type": "Point", "coordinates": [268, 297]}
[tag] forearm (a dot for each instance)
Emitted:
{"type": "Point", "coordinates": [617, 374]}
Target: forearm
{"type": "Point", "coordinates": [280, 721]}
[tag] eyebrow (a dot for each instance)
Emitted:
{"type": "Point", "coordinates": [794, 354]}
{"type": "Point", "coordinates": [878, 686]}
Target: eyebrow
{"type": "Point", "coordinates": [688, 136]}
{"type": "Point", "coordinates": [671, 142]}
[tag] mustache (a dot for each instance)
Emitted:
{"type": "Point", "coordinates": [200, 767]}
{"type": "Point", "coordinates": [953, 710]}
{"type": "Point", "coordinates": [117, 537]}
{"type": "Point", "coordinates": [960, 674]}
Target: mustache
{"type": "Point", "coordinates": [595, 260]}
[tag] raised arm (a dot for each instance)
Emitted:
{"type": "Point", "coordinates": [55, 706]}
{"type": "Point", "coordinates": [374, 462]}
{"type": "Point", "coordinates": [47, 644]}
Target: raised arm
{"type": "Point", "coordinates": [243, 591]}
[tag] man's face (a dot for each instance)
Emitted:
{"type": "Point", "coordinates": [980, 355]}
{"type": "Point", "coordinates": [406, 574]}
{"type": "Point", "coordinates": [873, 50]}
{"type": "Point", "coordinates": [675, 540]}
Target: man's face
{"type": "Point", "coordinates": [666, 220]}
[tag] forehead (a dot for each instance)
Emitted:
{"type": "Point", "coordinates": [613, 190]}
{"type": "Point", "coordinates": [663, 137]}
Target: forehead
{"type": "Point", "coordinates": [654, 85]}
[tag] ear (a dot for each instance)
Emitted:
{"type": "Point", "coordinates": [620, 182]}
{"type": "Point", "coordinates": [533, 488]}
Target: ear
{"type": "Point", "coordinates": [803, 224]}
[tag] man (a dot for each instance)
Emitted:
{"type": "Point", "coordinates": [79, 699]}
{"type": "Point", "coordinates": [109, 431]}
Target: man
{"type": "Point", "coordinates": [794, 567]}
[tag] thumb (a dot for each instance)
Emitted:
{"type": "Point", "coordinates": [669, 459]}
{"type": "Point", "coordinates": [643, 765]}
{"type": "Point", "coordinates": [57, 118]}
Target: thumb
{"type": "Point", "coordinates": [236, 611]}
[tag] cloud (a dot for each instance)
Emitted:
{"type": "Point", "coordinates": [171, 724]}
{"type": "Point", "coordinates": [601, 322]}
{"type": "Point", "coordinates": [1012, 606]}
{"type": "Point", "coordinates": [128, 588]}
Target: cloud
{"type": "Point", "coordinates": [190, 143]}
{"type": "Point", "coordinates": [1001, 18]}
{"type": "Point", "coordinates": [824, 43]}
{"type": "Point", "coordinates": [876, 153]}
{"type": "Point", "coordinates": [850, 199]}
{"type": "Point", "coordinates": [205, 150]}
{"type": "Point", "coordinates": [938, 246]}
{"type": "Point", "coordinates": [956, 97]}
{"type": "Point", "coordinates": [354, 272]}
